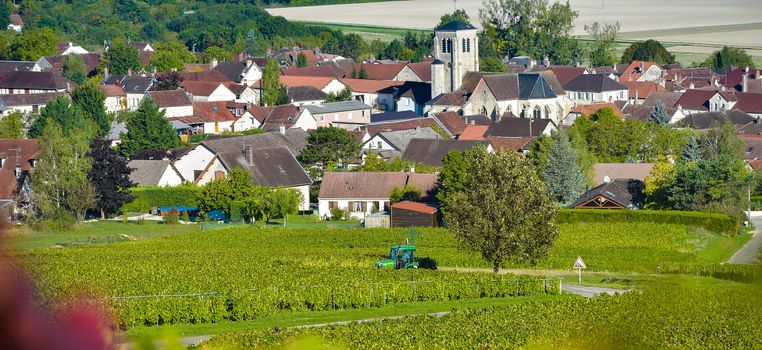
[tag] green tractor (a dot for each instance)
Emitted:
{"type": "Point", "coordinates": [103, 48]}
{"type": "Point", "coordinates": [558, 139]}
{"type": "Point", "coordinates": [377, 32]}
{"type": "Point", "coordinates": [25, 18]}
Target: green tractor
{"type": "Point", "coordinates": [401, 256]}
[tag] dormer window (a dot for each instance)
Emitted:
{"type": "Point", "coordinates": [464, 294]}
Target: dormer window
{"type": "Point", "coordinates": [2, 162]}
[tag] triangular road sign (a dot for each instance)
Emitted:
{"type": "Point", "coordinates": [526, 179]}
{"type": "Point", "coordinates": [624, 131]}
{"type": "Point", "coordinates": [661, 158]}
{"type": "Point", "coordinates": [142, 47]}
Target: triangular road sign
{"type": "Point", "coordinates": [579, 264]}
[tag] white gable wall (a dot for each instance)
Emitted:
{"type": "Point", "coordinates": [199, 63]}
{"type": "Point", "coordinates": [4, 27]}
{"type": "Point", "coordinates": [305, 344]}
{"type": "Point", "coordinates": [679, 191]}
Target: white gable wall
{"type": "Point", "coordinates": [222, 93]}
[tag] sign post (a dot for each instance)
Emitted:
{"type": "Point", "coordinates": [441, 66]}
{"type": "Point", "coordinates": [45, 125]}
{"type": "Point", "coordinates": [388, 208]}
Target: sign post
{"type": "Point", "coordinates": [579, 265]}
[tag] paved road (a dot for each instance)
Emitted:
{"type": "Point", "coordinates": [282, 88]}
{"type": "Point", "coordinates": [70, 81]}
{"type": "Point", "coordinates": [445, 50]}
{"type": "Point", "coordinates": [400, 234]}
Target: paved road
{"type": "Point", "coordinates": [749, 253]}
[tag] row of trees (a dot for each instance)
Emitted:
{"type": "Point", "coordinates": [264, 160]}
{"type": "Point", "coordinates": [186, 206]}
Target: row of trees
{"type": "Point", "coordinates": [240, 199]}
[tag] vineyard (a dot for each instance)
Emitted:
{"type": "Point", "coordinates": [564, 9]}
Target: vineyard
{"type": "Point", "coordinates": [725, 317]}
{"type": "Point", "coordinates": [243, 274]}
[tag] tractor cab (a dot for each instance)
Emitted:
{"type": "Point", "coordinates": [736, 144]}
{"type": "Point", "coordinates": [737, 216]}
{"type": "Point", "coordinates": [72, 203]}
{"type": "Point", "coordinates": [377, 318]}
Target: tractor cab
{"type": "Point", "coordinates": [400, 257]}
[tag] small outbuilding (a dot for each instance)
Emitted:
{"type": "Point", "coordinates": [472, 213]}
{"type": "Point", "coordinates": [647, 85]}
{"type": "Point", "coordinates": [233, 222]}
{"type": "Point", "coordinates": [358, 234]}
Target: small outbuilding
{"type": "Point", "coordinates": [616, 194]}
{"type": "Point", "coordinates": [407, 214]}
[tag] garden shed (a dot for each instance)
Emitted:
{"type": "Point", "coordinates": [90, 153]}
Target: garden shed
{"type": "Point", "coordinates": [407, 214]}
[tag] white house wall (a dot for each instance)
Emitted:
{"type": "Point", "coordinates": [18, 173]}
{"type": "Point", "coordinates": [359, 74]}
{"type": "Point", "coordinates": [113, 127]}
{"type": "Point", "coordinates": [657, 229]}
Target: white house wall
{"type": "Point", "coordinates": [335, 86]}
{"type": "Point", "coordinates": [325, 212]}
{"type": "Point", "coordinates": [221, 94]}
{"type": "Point", "coordinates": [179, 111]}
{"type": "Point", "coordinates": [196, 159]}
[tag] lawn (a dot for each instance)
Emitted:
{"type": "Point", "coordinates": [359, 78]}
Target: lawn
{"type": "Point", "coordinates": [95, 232]}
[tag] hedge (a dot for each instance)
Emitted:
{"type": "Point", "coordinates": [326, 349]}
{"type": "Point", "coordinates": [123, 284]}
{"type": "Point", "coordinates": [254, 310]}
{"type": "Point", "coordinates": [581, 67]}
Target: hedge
{"type": "Point", "coordinates": [150, 197]}
{"type": "Point", "coordinates": [712, 222]}
{"type": "Point", "coordinates": [756, 202]}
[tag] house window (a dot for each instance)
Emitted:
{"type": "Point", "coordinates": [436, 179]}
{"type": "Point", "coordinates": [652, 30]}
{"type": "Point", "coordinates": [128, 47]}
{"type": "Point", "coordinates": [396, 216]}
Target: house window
{"type": "Point", "coordinates": [363, 113]}
{"type": "Point", "coordinates": [357, 206]}
{"type": "Point", "coordinates": [379, 144]}
{"type": "Point", "coordinates": [333, 204]}
{"type": "Point", "coordinates": [219, 175]}
{"type": "Point", "coordinates": [197, 174]}
{"type": "Point", "coordinates": [387, 204]}
{"type": "Point", "coordinates": [35, 108]}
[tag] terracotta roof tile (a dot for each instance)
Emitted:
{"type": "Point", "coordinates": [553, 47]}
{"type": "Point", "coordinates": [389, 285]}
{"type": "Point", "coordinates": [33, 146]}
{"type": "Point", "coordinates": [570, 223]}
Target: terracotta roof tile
{"type": "Point", "coordinates": [170, 98]}
{"type": "Point", "coordinates": [200, 88]}
{"type": "Point", "coordinates": [452, 122]}
{"type": "Point", "coordinates": [517, 144]}
{"type": "Point", "coordinates": [589, 109]}
{"type": "Point", "coordinates": [415, 206]}
{"type": "Point", "coordinates": [473, 132]}
{"type": "Point", "coordinates": [366, 85]}
{"type": "Point", "coordinates": [208, 76]}
{"type": "Point", "coordinates": [112, 90]}
{"type": "Point", "coordinates": [642, 89]}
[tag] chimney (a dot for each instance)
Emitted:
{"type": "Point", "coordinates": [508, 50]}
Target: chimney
{"type": "Point", "coordinates": [71, 44]}
{"type": "Point", "coordinates": [546, 61]}
{"type": "Point", "coordinates": [531, 64]}
{"type": "Point", "coordinates": [282, 129]}
{"type": "Point", "coordinates": [213, 63]}
{"type": "Point", "coordinates": [249, 156]}
{"type": "Point", "coordinates": [692, 86]}
{"type": "Point", "coordinates": [472, 122]}
{"type": "Point", "coordinates": [745, 82]}
{"type": "Point", "coordinates": [641, 66]}
{"type": "Point", "coordinates": [613, 67]}
{"type": "Point", "coordinates": [129, 71]}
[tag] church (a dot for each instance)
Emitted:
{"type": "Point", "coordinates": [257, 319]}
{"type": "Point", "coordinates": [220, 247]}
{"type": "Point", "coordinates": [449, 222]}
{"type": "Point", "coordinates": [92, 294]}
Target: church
{"type": "Point", "coordinates": [457, 85]}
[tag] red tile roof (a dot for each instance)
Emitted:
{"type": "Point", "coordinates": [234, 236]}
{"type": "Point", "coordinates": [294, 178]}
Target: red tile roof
{"type": "Point", "coordinates": [749, 102]}
{"type": "Point", "coordinates": [511, 143]}
{"type": "Point", "coordinates": [112, 90]}
{"type": "Point", "coordinates": [170, 98]}
{"type": "Point", "coordinates": [317, 82]}
{"type": "Point", "coordinates": [366, 85]}
{"type": "Point", "coordinates": [589, 109]}
{"type": "Point", "coordinates": [374, 129]}
{"type": "Point", "coordinates": [416, 207]}
{"type": "Point", "coordinates": [696, 99]}
{"type": "Point", "coordinates": [319, 71]}
{"type": "Point", "coordinates": [209, 76]}
{"type": "Point", "coordinates": [200, 88]}
{"type": "Point", "coordinates": [642, 89]}
{"type": "Point", "coordinates": [473, 132]}
{"type": "Point", "coordinates": [452, 122]}
{"type": "Point", "coordinates": [386, 71]}
{"type": "Point", "coordinates": [633, 72]}
{"type": "Point", "coordinates": [209, 112]}
{"type": "Point", "coordinates": [422, 69]}
{"type": "Point", "coordinates": [564, 74]}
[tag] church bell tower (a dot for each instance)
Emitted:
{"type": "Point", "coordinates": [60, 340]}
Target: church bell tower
{"type": "Point", "coordinates": [456, 52]}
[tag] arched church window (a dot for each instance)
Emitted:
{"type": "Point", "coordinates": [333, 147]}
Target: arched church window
{"type": "Point", "coordinates": [547, 112]}
{"type": "Point", "coordinates": [483, 110]}
{"type": "Point", "coordinates": [449, 45]}
{"type": "Point", "coordinates": [537, 114]}
{"type": "Point", "coordinates": [444, 45]}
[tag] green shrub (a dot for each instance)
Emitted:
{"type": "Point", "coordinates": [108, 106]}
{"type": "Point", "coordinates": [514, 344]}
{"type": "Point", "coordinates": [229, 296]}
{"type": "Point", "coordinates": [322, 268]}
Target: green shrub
{"type": "Point", "coordinates": [337, 214]}
{"type": "Point", "coordinates": [172, 218]}
{"type": "Point", "coordinates": [150, 197]}
{"type": "Point", "coordinates": [186, 217]}
{"type": "Point", "coordinates": [58, 220]}
{"type": "Point", "coordinates": [756, 203]}
{"type": "Point", "coordinates": [712, 222]}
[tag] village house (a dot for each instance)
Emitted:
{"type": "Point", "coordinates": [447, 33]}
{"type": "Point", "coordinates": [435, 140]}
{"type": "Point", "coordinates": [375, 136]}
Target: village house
{"type": "Point", "coordinates": [594, 88]}
{"type": "Point", "coordinates": [134, 86]}
{"type": "Point", "coordinates": [207, 91]}
{"type": "Point", "coordinates": [527, 95]}
{"type": "Point", "coordinates": [370, 92]}
{"type": "Point", "coordinates": [17, 159]}
{"type": "Point", "coordinates": [174, 103]}
{"type": "Point", "coordinates": [388, 71]}
{"type": "Point", "coordinates": [23, 66]}
{"type": "Point", "coordinates": [70, 48]}
{"type": "Point", "coordinates": [26, 104]}
{"type": "Point", "coordinates": [642, 71]}
{"type": "Point", "coordinates": [30, 82]}
{"type": "Point", "coordinates": [209, 118]}
{"type": "Point", "coordinates": [16, 23]}
{"type": "Point", "coordinates": [305, 95]}
{"type": "Point", "coordinates": [586, 110]}
{"type": "Point", "coordinates": [243, 93]}
{"type": "Point", "coordinates": [116, 98]}
{"type": "Point", "coordinates": [643, 113]}
{"type": "Point", "coordinates": [56, 63]}
{"type": "Point", "coordinates": [271, 157]}
{"type": "Point", "coordinates": [286, 117]}
{"type": "Point", "coordinates": [365, 193]}
{"type": "Point", "coordinates": [324, 84]}
{"type": "Point", "coordinates": [154, 172]}
{"type": "Point", "coordinates": [345, 114]}
{"type": "Point", "coordinates": [618, 193]}
{"type": "Point", "coordinates": [431, 152]}
{"type": "Point", "coordinates": [398, 140]}
{"type": "Point", "coordinates": [246, 73]}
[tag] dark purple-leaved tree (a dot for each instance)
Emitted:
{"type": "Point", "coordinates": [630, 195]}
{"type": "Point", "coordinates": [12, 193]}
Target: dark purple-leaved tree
{"type": "Point", "coordinates": [110, 176]}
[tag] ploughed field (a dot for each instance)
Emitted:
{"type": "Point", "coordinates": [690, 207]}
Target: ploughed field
{"type": "Point", "coordinates": [248, 273]}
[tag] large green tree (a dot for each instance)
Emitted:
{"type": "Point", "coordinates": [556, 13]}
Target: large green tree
{"type": "Point", "coordinates": [74, 68]}
{"type": "Point", "coordinates": [110, 177]}
{"type": "Point", "coordinates": [505, 211]}
{"type": "Point", "coordinates": [458, 15]}
{"type": "Point", "coordinates": [147, 129]}
{"type": "Point", "coordinates": [59, 178]}
{"type": "Point", "coordinates": [455, 166]}
{"type": "Point", "coordinates": [649, 50]}
{"type": "Point", "coordinates": [329, 144]}
{"type": "Point", "coordinates": [534, 28]}
{"type": "Point", "coordinates": [171, 55]}
{"type": "Point", "coordinates": [122, 57]}
{"type": "Point", "coordinates": [728, 57]}
{"type": "Point", "coordinates": [5, 14]}
{"type": "Point", "coordinates": [68, 116]}
{"type": "Point", "coordinates": [12, 126]}
{"type": "Point", "coordinates": [92, 101]}
{"type": "Point", "coordinates": [34, 43]}
{"type": "Point", "coordinates": [273, 92]}
{"type": "Point", "coordinates": [603, 35]}
{"type": "Point", "coordinates": [343, 95]}
{"type": "Point", "coordinates": [562, 172]}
